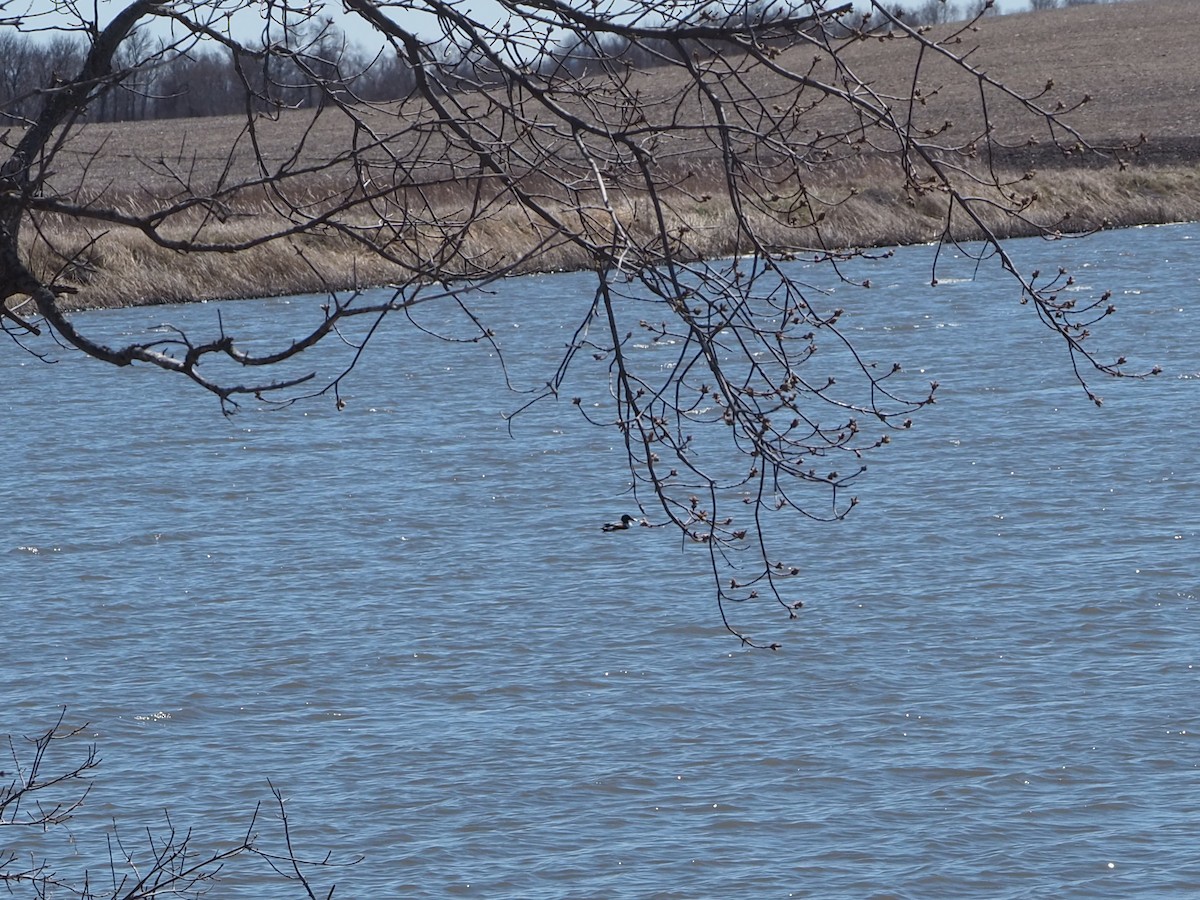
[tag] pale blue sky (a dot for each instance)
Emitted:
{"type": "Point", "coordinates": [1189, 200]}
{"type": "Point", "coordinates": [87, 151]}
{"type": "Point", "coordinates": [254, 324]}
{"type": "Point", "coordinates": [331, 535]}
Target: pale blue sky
{"type": "Point", "coordinates": [486, 8]}
{"type": "Point", "coordinates": [249, 23]}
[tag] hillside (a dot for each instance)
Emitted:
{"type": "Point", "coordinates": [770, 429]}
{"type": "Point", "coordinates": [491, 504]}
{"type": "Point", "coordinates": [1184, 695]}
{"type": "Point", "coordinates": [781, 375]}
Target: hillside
{"type": "Point", "coordinates": [1138, 62]}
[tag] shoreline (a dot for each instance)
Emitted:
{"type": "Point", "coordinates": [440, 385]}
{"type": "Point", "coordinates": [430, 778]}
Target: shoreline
{"type": "Point", "coordinates": [437, 213]}
{"type": "Point", "coordinates": [866, 210]}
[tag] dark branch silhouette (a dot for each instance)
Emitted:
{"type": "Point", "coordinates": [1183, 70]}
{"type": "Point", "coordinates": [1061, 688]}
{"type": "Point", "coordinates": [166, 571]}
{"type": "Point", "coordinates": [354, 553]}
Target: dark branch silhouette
{"type": "Point", "coordinates": [39, 795]}
{"type": "Point", "coordinates": [686, 155]}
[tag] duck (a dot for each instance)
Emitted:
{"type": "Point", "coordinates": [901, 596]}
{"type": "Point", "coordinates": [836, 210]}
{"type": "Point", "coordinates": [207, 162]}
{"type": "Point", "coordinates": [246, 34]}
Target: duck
{"type": "Point", "coordinates": [626, 521]}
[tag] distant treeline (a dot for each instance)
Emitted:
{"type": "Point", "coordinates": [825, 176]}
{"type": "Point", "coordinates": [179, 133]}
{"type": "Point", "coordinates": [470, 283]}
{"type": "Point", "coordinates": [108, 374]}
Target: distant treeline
{"type": "Point", "coordinates": [167, 83]}
{"type": "Point", "coordinates": [161, 83]}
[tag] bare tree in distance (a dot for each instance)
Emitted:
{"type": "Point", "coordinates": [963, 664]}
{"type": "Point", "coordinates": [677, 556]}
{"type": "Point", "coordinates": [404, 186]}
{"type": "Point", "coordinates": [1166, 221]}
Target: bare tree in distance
{"type": "Point", "coordinates": [982, 8]}
{"type": "Point", "coordinates": [935, 12]}
{"type": "Point", "coordinates": [687, 186]}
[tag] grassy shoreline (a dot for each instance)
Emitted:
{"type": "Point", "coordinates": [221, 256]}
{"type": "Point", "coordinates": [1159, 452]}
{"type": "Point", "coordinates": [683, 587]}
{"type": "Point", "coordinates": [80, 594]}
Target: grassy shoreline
{"type": "Point", "coordinates": [1134, 60]}
{"type": "Point", "coordinates": [865, 209]}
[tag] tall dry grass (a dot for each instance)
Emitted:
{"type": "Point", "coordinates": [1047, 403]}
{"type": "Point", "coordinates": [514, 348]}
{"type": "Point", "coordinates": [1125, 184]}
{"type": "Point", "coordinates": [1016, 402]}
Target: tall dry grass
{"type": "Point", "coordinates": [436, 234]}
{"type": "Point", "coordinates": [862, 206]}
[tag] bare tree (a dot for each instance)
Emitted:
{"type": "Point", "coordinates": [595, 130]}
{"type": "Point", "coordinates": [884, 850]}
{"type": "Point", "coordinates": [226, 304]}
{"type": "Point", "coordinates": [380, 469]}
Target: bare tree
{"type": "Point", "coordinates": [687, 184]}
{"type": "Point", "coordinates": [935, 12]}
{"type": "Point", "coordinates": [977, 8]}
{"type": "Point", "coordinates": [1043, 4]}
{"type": "Point", "coordinates": [40, 794]}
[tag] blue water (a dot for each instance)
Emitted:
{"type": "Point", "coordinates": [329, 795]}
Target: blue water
{"type": "Point", "coordinates": [410, 622]}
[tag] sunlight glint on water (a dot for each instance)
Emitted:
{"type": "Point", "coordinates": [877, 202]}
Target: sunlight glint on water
{"type": "Point", "coordinates": [412, 624]}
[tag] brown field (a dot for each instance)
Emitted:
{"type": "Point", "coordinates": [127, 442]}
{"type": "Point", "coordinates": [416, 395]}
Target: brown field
{"type": "Point", "coordinates": [1139, 62]}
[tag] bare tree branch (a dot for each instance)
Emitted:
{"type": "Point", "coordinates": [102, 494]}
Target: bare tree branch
{"type": "Point", "coordinates": [685, 154]}
{"type": "Point", "coordinates": [43, 799]}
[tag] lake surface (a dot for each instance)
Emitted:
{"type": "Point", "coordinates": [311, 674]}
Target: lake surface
{"type": "Point", "coordinates": [410, 622]}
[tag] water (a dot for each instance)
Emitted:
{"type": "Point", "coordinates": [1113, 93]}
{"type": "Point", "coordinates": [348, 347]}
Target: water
{"type": "Point", "coordinates": [411, 623]}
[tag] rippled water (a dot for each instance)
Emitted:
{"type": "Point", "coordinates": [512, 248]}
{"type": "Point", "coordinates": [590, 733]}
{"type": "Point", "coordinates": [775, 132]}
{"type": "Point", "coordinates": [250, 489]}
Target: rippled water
{"type": "Point", "coordinates": [411, 623]}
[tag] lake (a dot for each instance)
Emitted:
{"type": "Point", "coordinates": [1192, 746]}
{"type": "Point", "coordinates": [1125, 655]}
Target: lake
{"type": "Point", "coordinates": [409, 620]}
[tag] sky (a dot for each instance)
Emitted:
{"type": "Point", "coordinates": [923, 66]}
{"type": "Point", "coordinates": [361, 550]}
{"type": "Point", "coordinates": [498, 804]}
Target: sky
{"type": "Point", "coordinates": [361, 33]}
{"type": "Point", "coordinates": [358, 32]}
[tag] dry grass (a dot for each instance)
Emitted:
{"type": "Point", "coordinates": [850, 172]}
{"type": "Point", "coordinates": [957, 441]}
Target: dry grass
{"type": "Point", "coordinates": [864, 204]}
{"type": "Point", "coordinates": [869, 210]}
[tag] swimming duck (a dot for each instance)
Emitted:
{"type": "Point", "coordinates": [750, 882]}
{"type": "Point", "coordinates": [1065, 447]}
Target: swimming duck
{"type": "Point", "coordinates": [626, 521]}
